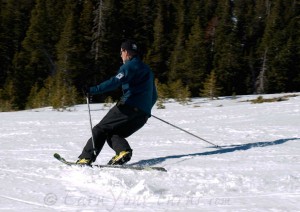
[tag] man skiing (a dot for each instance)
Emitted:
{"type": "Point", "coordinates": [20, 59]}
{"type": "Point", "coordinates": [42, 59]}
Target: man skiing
{"type": "Point", "coordinates": [129, 114]}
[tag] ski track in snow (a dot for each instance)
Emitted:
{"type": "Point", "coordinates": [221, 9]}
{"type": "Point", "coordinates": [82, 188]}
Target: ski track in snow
{"type": "Point", "coordinates": [257, 169]}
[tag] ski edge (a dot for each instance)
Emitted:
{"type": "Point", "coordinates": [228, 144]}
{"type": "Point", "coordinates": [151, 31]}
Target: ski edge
{"type": "Point", "coordinates": [147, 168]}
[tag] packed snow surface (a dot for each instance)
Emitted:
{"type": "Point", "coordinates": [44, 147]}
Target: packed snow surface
{"type": "Point", "coordinates": [257, 168]}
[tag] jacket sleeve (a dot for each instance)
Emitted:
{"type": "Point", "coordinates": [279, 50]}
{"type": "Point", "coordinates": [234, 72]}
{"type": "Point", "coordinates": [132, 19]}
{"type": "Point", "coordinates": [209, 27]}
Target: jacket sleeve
{"type": "Point", "coordinates": [109, 85]}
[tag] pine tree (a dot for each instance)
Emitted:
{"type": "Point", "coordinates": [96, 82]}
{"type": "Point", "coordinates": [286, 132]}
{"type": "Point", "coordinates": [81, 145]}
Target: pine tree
{"type": "Point", "coordinates": [7, 97]}
{"type": "Point", "coordinates": [106, 38]}
{"type": "Point", "coordinates": [157, 51]}
{"type": "Point", "coordinates": [180, 92]}
{"type": "Point", "coordinates": [177, 56]}
{"type": "Point", "coordinates": [67, 47]}
{"type": "Point", "coordinates": [14, 17]}
{"type": "Point", "coordinates": [210, 88]}
{"type": "Point", "coordinates": [274, 39]}
{"type": "Point", "coordinates": [35, 62]}
{"type": "Point", "coordinates": [228, 60]}
{"type": "Point", "coordinates": [145, 21]}
{"type": "Point", "coordinates": [63, 95]}
{"type": "Point", "coordinates": [195, 63]}
{"type": "Point", "coordinates": [85, 60]}
{"type": "Point", "coordinates": [284, 54]}
{"type": "Point", "coordinates": [250, 26]}
{"type": "Point", "coordinates": [262, 8]}
{"type": "Point", "coordinates": [293, 51]}
{"type": "Point", "coordinates": [68, 61]}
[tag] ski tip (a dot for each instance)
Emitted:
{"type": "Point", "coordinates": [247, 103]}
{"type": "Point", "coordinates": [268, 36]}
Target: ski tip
{"type": "Point", "coordinates": [56, 155]}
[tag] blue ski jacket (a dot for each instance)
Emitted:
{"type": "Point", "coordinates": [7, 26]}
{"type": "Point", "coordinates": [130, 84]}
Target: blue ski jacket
{"type": "Point", "coordinates": [137, 81]}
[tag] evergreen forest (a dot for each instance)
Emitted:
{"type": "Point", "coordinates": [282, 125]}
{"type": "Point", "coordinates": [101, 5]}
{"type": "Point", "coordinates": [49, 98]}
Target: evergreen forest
{"type": "Point", "coordinates": [50, 49]}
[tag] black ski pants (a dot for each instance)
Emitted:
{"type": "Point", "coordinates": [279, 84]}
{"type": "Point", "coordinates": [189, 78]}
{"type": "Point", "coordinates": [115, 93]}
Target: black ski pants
{"type": "Point", "coordinates": [120, 122]}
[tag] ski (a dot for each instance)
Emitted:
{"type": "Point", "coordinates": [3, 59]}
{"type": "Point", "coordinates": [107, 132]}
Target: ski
{"type": "Point", "coordinates": [146, 168]}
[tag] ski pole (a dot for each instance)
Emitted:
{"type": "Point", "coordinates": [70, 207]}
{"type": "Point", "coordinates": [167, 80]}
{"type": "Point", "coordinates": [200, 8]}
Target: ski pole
{"type": "Point", "coordinates": [216, 146]}
{"type": "Point", "coordinates": [88, 103]}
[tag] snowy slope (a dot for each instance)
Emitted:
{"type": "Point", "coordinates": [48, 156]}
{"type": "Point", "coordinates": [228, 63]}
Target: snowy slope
{"type": "Point", "coordinates": [258, 168]}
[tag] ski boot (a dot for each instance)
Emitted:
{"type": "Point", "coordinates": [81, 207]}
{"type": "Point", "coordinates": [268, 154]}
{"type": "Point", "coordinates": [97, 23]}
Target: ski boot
{"type": "Point", "coordinates": [84, 162]}
{"type": "Point", "coordinates": [121, 158]}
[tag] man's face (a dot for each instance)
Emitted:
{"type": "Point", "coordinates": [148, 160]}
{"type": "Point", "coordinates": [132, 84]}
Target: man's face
{"type": "Point", "coordinates": [124, 55]}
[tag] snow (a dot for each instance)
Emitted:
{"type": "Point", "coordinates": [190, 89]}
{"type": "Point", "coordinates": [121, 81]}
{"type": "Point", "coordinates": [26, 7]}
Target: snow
{"type": "Point", "coordinates": [257, 169]}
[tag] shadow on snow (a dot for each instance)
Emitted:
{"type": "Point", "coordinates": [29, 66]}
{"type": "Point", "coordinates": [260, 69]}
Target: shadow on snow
{"type": "Point", "coordinates": [223, 150]}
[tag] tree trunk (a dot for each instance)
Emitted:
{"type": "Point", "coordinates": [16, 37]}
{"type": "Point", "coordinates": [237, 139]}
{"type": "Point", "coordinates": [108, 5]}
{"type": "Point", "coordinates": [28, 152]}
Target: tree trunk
{"type": "Point", "coordinates": [261, 79]}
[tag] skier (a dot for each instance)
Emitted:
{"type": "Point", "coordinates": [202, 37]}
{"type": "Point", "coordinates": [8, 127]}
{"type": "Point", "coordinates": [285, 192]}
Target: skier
{"type": "Point", "coordinates": [129, 114]}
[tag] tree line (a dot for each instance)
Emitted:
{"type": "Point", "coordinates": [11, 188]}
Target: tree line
{"type": "Point", "coordinates": [50, 49]}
